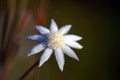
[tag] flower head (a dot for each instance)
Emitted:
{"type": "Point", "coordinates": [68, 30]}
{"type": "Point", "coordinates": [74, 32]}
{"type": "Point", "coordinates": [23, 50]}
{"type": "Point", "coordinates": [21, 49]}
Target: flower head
{"type": "Point", "coordinates": [55, 40]}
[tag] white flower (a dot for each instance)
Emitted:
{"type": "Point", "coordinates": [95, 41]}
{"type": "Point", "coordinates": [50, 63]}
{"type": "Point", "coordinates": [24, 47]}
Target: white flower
{"type": "Point", "coordinates": [55, 40]}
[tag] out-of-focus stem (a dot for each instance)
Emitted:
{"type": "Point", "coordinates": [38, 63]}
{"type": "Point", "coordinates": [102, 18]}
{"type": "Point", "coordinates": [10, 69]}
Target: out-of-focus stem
{"type": "Point", "coordinates": [29, 70]}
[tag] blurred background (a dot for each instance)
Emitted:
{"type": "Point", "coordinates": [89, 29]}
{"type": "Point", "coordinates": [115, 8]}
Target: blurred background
{"type": "Point", "coordinates": [97, 21]}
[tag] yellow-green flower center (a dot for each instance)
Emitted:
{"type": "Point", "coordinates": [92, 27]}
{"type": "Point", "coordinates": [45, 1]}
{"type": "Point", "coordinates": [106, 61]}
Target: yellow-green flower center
{"type": "Point", "coordinates": [55, 40]}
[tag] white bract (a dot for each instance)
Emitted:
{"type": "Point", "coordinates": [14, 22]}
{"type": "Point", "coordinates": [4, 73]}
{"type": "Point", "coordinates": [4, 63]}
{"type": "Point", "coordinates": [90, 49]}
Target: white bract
{"type": "Point", "coordinates": [55, 40]}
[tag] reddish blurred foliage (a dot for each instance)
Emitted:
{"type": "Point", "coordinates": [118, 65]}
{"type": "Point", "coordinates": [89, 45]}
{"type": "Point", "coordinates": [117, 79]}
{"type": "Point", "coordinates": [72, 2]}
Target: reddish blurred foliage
{"type": "Point", "coordinates": [41, 15]}
{"type": "Point", "coordinates": [24, 18]}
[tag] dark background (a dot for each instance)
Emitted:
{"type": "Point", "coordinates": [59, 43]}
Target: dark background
{"type": "Point", "coordinates": [97, 21]}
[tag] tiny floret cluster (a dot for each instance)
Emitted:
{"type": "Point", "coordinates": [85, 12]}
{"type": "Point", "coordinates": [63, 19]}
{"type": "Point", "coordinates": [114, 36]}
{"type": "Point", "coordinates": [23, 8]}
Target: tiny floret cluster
{"type": "Point", "coordinates": [56, 40]}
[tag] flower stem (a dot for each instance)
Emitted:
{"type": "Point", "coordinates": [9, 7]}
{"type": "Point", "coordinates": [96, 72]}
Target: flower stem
{"type": "Point", "coordinates": [28, 71]}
